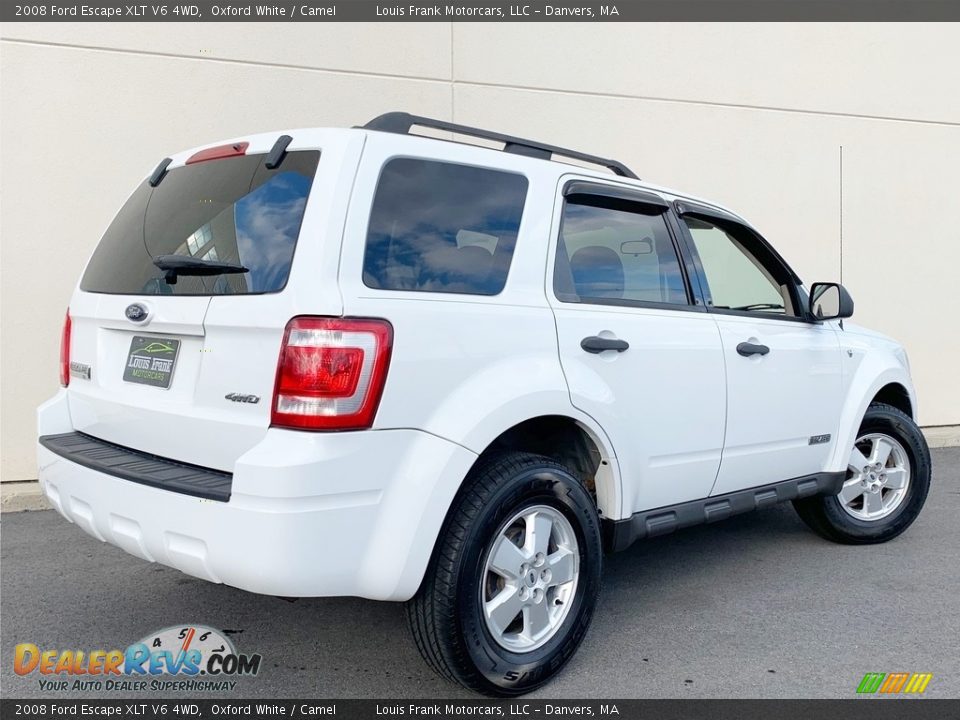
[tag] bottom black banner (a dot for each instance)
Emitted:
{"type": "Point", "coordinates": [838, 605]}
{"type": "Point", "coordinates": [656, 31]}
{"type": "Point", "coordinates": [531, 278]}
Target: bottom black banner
{"type": "Point", "coordinates": [859, 709]}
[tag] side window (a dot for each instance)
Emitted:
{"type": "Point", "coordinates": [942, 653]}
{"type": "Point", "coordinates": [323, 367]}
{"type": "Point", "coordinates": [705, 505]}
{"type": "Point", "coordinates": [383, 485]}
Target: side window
{"type": "Point", "coordinates": [440, 227]}
{"type": "Point", "coordinates": [736, 276]}
{"type": "Point", "coordinates": [611, 251]}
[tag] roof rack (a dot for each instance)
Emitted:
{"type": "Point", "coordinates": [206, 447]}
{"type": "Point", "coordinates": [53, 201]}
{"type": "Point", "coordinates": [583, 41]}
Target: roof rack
{"type": "Point", "coordinates": [401, 122]}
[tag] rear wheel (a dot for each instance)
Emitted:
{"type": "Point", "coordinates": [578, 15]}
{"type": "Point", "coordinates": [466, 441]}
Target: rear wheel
{"type": "Point", "coordinates": [513, 581]}
{"type": "Point", "coordinates": [888, 476]}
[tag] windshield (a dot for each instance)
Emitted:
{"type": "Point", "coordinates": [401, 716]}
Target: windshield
{"type": "Point", "coordinates": [232, 211]}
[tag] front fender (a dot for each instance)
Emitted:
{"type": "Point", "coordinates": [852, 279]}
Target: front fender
{"type": "Point", "coordinates": [874, 370]}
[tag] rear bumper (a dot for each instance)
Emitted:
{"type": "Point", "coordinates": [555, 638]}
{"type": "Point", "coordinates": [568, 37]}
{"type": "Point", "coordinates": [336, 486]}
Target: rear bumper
{"type": "Point", "coordinates": [140, 467]}
{"type": "Point", "coordinates": [310, 514]}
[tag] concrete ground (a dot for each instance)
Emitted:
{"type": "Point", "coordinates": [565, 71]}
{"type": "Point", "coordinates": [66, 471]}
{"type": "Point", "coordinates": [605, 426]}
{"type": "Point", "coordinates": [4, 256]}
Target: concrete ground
{"type": "Point", "coordinates": [756, 606]}
{"type": "Point", "coordinates": [22, 495]}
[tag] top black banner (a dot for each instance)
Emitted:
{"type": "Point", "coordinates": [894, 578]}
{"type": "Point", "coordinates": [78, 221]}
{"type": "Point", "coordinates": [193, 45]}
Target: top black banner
{"type": "Point", "coordinates": [474, 11]}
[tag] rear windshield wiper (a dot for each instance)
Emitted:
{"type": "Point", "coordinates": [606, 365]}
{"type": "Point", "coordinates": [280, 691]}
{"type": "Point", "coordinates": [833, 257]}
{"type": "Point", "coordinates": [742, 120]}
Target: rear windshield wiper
{"type": "Point", "coordinates": [174, 265]}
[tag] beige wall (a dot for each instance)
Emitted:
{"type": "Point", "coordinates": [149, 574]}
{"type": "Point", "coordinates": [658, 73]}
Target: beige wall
{"type": "Point", "coordinates": [752, 116]}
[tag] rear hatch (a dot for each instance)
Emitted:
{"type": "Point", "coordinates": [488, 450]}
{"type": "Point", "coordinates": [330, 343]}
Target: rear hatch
{"type": "Point", "coordinates": [178, 320]}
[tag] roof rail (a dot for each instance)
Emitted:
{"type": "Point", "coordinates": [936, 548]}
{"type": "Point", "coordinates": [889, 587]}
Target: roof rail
{"type": "Point", "coordinates": [401, 122]}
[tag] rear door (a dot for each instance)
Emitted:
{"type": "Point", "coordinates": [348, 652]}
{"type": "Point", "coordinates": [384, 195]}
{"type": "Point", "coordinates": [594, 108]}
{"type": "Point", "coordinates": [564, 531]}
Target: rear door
{"type": "Point", "coordinates": [783, 371]}
{"type": "Point", "coordinates": [179, 359]}
{"type": "Point", "coordinates": [639, 355]}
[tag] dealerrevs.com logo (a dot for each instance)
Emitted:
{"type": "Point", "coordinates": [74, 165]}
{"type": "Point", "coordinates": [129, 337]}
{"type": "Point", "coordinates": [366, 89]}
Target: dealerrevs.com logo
{"type": "Point", "coordinates": [177, 658]}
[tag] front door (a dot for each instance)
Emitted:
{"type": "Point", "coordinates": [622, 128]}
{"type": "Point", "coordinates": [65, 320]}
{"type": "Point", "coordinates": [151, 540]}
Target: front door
{"type": "Point", "coordinates": [783, 371]}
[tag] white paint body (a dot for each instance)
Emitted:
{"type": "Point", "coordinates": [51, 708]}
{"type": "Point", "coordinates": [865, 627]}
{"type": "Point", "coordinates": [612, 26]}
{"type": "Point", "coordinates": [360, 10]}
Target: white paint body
{"type": "Point", "coordinates": [679, 417]}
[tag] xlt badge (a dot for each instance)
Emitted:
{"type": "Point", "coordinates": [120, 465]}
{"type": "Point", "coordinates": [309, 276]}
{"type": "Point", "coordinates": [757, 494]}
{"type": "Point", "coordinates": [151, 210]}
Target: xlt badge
{"type": "Point", "coordinates": [80, 370]}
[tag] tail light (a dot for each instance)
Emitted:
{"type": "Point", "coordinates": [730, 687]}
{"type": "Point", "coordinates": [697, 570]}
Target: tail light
{"type": "Point", "coordinates": [65, 351]}
{"type": "Point", "coordinates": [331, 373]}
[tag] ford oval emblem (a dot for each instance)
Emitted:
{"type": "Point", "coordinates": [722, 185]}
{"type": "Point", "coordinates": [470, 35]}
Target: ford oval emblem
{"type": "Point", "coordinates": [136, 312]}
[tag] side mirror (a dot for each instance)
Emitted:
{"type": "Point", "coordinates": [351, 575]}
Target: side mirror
{"type": "Point", "coordinates": [829, 301]}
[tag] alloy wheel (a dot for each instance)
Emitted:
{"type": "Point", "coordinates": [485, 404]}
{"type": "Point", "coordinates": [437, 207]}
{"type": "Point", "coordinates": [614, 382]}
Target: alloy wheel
{"type": "Point", "coordinates": [529, 579]}
{"type": "Point", "coordinates": [878, 476]}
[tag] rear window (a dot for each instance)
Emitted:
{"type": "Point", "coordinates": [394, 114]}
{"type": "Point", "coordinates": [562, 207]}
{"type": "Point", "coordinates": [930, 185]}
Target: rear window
{"type": "Point", "coordinates": [232, 211]}
{"type": "Point", "coordinates": [440, 227]}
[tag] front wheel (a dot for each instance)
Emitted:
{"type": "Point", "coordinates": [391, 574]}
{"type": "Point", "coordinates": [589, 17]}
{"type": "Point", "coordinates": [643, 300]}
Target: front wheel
{"type": "Point", "coordinates": [514, 578]}
{"type": "Point", "coordinates": [888, 477]}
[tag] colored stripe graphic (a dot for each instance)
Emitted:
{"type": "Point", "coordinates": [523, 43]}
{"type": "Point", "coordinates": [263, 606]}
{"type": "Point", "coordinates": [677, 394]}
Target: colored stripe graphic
{"type": "Point", "coordinates": [894, 682]}
{"type": "Point", "coordinates": [870, 683]}
{"type": "Point", "coordinates": [918, 683]}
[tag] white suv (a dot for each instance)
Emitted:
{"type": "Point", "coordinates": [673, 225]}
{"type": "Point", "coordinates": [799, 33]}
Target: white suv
{"type": "Point", "coordinates": [367, 362]}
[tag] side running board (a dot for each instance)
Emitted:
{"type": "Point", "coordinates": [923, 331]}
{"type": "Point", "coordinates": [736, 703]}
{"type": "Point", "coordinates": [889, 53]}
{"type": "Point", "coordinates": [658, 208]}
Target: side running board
{"type": "Point", "coordinates": [620, 534]}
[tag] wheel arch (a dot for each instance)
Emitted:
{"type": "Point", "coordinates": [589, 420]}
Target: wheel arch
{"type": "Point", "coordinates": [573, 443]}
{"type": "Point", "coordinates": [897, 395]}
{"type": "Point", "coordinates": [878, 379]}
{"type": "Point", "coordinates": [511, 426]}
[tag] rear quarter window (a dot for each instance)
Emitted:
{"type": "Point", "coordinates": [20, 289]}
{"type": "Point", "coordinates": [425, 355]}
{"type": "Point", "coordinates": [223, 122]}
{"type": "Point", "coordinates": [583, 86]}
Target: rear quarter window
{"type": "Point", "coordinates": [442, 227]}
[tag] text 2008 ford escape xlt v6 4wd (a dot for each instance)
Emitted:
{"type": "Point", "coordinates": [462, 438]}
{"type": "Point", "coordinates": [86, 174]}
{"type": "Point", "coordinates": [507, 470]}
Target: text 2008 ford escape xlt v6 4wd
{"type": "Point", "coordinates": [365, 362]}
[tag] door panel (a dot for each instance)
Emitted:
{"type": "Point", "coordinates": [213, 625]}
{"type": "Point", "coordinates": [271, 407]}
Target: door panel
{"type": "Point", "coordinates": [777, 402]}
{"type": "Point", "coordinates": [661, 401]}
{"type": "Point", "coordinates": [783, 373]}
{"type": "Point", "coordinates": [637, 355]}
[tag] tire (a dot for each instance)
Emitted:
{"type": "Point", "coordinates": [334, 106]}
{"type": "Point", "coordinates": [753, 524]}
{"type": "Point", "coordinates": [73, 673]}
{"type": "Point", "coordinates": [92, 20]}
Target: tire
{"type": "Point", "coordinates": [844, 520]}
{"type": "Point", "coordinates": [447, 615]}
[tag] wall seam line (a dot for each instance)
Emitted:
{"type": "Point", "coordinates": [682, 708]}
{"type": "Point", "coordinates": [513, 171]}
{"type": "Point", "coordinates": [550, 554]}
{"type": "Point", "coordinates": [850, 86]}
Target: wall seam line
{"type": "Point", "coordinates": [841, 214]}
{"type": "Point", "coordinates": [504, 86]}
{"type": "Point", "coordinates": [228, 61]}
{"type": "Point", "coordinates": [713, 103]}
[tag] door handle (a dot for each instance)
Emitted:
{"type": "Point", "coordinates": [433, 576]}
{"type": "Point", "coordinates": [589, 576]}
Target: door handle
{"type": "Point", "coordinates": [595, 344]}
{"type": "Point", "coordinates": [747, 349]}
